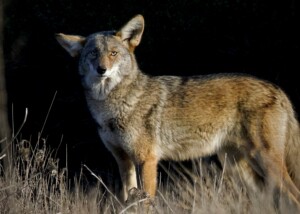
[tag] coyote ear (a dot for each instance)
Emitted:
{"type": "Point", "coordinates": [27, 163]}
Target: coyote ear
{"type": "Point", "coordinates": [72, 44]}
{"type": "Point", "coordinates": [131, 33]}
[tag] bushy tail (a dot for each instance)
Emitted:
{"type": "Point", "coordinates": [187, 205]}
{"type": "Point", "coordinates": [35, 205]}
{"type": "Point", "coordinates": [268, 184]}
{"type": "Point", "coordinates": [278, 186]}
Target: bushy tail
{"type": "Point", "coordinates": [292, 150]}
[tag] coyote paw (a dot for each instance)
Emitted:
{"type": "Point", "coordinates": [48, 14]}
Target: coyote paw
{"type": "Point", "coordinates": [140, 200]}
{"type": "Point", "coordinates": [135, 195]}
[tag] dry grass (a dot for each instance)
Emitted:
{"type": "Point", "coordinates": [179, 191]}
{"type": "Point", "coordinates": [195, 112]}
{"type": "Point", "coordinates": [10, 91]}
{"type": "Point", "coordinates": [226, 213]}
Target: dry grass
{"type": "Point", "coordinates": [36, 184]}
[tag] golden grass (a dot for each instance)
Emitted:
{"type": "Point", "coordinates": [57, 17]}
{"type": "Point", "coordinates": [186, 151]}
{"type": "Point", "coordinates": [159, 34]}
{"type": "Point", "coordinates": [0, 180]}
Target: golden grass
{"type": "Point", "coordinates": [35, 184]}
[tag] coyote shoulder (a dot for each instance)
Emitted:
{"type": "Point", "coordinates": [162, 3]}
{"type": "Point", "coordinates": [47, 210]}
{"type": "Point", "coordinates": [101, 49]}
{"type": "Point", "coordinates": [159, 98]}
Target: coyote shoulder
{"type": "Point", "coordinates": [143, 119]}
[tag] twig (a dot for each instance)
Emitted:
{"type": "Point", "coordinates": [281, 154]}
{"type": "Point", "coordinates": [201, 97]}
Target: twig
{"type": "Point", "coordinates": [100, 180]}
{"type": "Point", "coordinates": [1, 157]}
{"type": "Point", "coordinates": [48, 113]}
{"type": "Point", "coordinates": [23, 123]}
{"type": "Point", "coordinates": [222, 176]}
{"type": "Point", "coordinates": [14, 137]}
{"type": "Point", "coordinates": [161, 195]}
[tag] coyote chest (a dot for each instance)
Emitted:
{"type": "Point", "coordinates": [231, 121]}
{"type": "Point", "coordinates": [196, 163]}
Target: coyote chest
{"type": "Point", "coordinates": [110, 127]}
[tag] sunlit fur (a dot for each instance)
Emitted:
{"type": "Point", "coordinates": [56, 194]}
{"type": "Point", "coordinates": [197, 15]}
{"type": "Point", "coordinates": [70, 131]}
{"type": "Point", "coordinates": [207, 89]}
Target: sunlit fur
{"type": "Point", "coordinates": [248, 122]}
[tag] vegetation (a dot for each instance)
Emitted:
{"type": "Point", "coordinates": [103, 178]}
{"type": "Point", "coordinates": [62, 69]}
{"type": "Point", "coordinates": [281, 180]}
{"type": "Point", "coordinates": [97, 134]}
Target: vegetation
{"type": "Point", "coordinates": [38, 185]}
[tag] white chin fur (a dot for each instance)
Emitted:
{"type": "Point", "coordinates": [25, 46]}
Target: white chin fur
{"type": "Point", "coordinates": [100, 87]}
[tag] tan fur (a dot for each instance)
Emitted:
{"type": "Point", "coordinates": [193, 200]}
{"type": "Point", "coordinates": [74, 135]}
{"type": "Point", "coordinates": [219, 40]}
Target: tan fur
{"type": "Point", "coordinates": [144, 119]}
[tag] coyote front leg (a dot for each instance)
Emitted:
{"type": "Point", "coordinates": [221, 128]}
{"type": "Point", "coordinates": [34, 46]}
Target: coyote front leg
{"type": "Point", "coordinates": [127, 171]}
{"type": "Point", "coordinates": [149, 174]}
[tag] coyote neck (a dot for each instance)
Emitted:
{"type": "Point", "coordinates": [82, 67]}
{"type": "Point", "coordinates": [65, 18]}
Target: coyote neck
{"type": "Point", "coordinates": [120, 101]}
{"type": "Point", "coordinates": [132, 86]}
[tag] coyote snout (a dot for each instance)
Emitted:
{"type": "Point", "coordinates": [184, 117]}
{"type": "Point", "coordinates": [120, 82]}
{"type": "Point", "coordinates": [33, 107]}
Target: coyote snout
{"type": "Point", "coordinates": [101, 70]}
{"type": "Point", "coordinates": [143, 119]}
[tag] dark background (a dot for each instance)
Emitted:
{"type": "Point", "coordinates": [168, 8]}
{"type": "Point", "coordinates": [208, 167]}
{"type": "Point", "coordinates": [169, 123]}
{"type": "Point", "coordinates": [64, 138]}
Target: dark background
{"type": "Point", "coordinates": [257, 37]}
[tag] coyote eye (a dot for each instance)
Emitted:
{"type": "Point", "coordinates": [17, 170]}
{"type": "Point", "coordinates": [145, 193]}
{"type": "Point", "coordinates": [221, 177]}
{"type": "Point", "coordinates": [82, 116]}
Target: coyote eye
{"type": "Point", "coordinates": [94, 53]}
{"type": "Point", "coordinates": [113, 53]}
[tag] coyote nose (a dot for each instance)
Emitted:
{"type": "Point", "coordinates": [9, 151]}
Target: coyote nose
{"type": "Point", "coordinates": [101, 70]}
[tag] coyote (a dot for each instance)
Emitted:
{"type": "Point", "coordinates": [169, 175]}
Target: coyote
{"type": "Point", "coordinates": [143, 119]}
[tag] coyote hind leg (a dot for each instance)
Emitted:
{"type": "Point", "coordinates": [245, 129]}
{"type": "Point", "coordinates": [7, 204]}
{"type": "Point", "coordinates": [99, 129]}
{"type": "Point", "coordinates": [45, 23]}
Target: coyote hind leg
{"type": "Point", "coordinates": [265, 152]}
{"type": "Point", "coordinates": [275, 174]}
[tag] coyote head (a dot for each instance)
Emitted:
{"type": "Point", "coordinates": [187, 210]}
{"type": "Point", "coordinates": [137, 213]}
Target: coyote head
{"type": "Point", "coordinates": [105, 57]}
